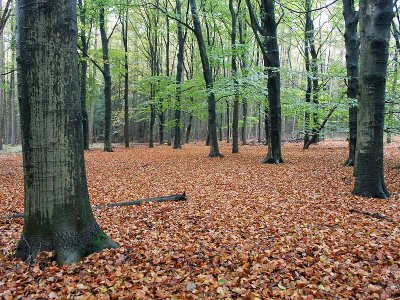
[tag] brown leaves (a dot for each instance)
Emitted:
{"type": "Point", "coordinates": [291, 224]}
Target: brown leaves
{"type": "Point", "coordinates": [247, 231]}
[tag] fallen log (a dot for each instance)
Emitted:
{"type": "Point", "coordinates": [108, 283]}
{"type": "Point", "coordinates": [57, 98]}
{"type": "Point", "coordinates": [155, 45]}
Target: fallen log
{"type": "Point", "coordinates": [373, 215]}
{"type": "Point", "coordinates": [178, 197]}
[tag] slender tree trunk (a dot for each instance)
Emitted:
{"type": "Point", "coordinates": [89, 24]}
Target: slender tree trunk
{"type": "Point", "coordinates": [242, 37]}
{"type": "Point", "coordinates": [352, 42]}
{"type": "Point", "coordinates": [84, 68]}
{"type": "Point", "coordinates": [270, 49]}
{"type": "Point", "coordinates": [57, 212]}
{"type": "Point", "coordinates": [107, 84]}
{"type": "Point", "coordinates": [2, 82]}
{"type": "Point", "coordinates": [12, 103]}
{"type": "Point", "coordinates": [395, 78]}
{"type": "Point", "coordinates": [179, 78]}
{"type": "Point", "coordinates": [152, 122]}
{"type": "Point", "coordinates": [208, 77]}
{"type": "Point", "coordinates": [235, 121]}
{"type": "Point", "coordinates": [228, 122]}
{"type": "Point", "coordinates": [375, 20]}
{"type": "Point", "coordinates": [125, 24]}
{"type": "Point", "coordinates": [259, 139]}
{"type": "Point", "coordinates": [189, 128]}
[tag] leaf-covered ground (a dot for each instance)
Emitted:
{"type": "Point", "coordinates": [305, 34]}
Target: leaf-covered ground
{"type": "Point", "coordinates": [247, 231]}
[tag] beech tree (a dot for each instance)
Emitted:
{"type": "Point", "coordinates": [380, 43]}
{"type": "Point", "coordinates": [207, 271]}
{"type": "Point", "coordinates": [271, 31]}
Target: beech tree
{"type": "Point", "coordinates": [268, 43]}
{"type": "Point", "coordinates": [375, 21]}
{"type": "Point", "coordinates": [208, 77]}
{"type": "Point", "coordinates": [352, 42]}
{"type": "Point", "coordinates": [57, 214]}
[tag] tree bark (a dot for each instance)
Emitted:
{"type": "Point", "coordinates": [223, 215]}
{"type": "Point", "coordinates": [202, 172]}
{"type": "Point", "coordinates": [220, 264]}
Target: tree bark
{"type": "Point", "coordinates": [395, 78]}
{"type": "Point", "coordinates": [270, 49]}
{"type": "Point", "coordinates": [235, 121]}
{"type": "Point", "coordinates": [375, 21]}
{"type": "Point", "coordinates": [84, 68]}
{"type": "Point", "coordinates": [208, 77]}
{"type": "Point", "coordinates": [107, 83]}
{"type": "Point", "coordinates": [2, 82]}
{"type": "Point", "coordinates": [242, 36]}
{"type": "Point", "coordinates": [57, 211]}
{"type": "Point", "coordinates": [125, 23]}
{"type": "Point", "coordinates": [352, 42]}
{"type": "Point", "coordinates": [179, 78]}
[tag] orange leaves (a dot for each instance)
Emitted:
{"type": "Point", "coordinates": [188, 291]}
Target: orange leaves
{"type": "Point", "coordinates": [247, 231]}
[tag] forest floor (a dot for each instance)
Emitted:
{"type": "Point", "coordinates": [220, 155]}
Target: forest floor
{"type": "Point", "coordinates": [247, 231]}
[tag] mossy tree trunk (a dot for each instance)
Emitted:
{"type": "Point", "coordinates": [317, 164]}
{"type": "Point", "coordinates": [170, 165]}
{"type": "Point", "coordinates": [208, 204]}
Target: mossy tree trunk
{"type": "Point", "coordinates": [57, 211]}
{"type": "Point", "coordinates": [375, 21]}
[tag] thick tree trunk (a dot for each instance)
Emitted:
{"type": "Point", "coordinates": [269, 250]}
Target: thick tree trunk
{"type": "Point", "coordinates": [57, 211]}
{"type": "Point", "coordinates": [208, 77]}
{"type": "Point", "coordinates": [352, 42]}
{"type": "Point", "coordinates": [107, 84]}
{"type": "Point", "coordinates": [375, 21]}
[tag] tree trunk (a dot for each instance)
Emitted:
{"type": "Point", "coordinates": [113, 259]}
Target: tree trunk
{"type": "Point", "coordinates": [270, 49]}
{"type": "Point", "coordinates": [179, 78]}
{"type": "Point", "coordinates": [352, 42]}
{"type": "Point", "coordinates": [242, 35]}
{"type": "Point", "coordinates": [395, 78]}
{"type": "Point", "coordinates": [57, 211]}
{"type": "Point", "coordinates": [152, 122]}
{"type": "Point", "coordinates": [235, 120]}
{"type": "Point", "coordinates": [228, 122]}
{"type": "Point", "coordinates": [2, 82]}
{"type": "Point", "coordinates": [189, 128]}
{"type": "Point", "coordinates": [208, 77]}
{"type": "Point", "coordinates": [125, 23]}
{"type": "Point", "coordinates": [375, 21]}
{"type": "Point", "coordinates": [107, 83]}
{"type": "Point", "coordinates": [84, 68]}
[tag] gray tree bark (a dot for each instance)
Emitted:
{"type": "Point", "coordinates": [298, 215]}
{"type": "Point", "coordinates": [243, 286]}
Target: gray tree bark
{"type": "Point", "coordinates": [375, 21]}
{"type": "Point", "coordinates": [57, 211]}
{"type": "Point", "coordinates": [235, 120]}
{"type": "Point", "coordinates": [179, 78]}
{"type": "Point", "coordinates": [208, 77]}
{"type": "Point", "coordinates": [352, 42]}
{"type": "Point", "coordinates": [107, 83]}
